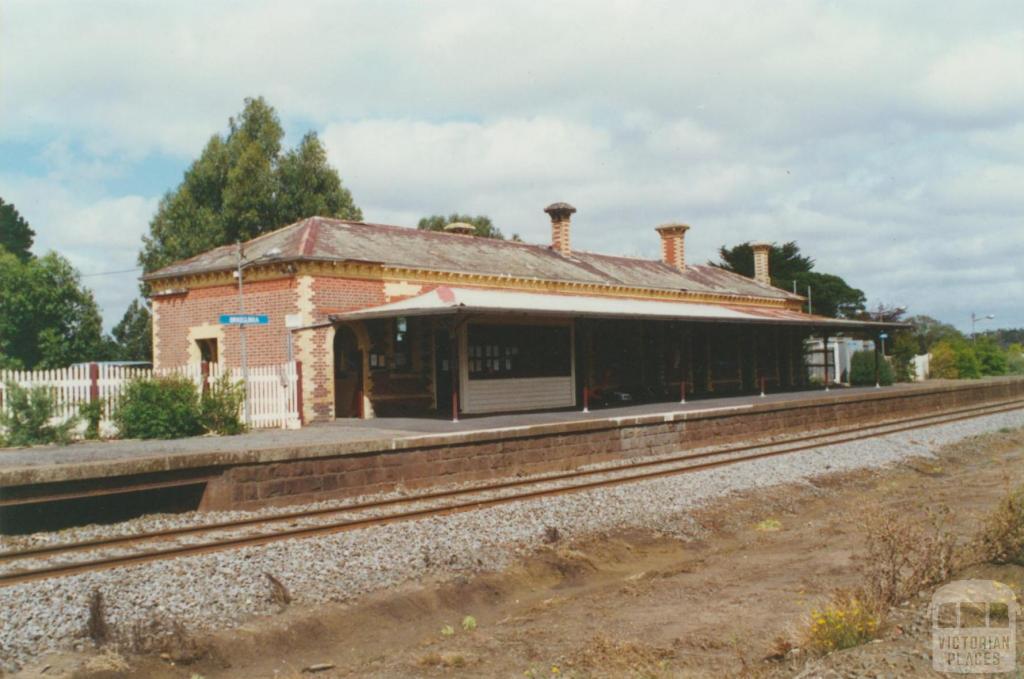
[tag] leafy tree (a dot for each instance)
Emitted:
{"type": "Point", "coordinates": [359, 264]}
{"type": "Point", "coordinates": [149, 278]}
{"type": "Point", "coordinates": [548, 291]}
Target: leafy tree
{"type": "Point", "coordinates": [1015, 359]}
{"type": "Point", "coordinates": [16, 236]}
{"type": "Point", "coordinates": [47, 318]}
{"type": "Point", "coordinates": [242, 185]}
{"type": "Point", "coordinates": [831, 295]}
{"type": "Point", "coordinates": [967, 363]}
{"type": "Point", "coordinates": [904, 348]}
{"type": "Point", "coordinates": [990, 355]}
{"type": "Point", "coordinates": [784, 261]}
{"type": "Point", "coordinates": [133, 335]}
{"type": "Point", "coordinates": [484, 227]}
{"type": "Point", "coordinates": [943, 362]}
{"type": "Point", "coordinates": [929, 331]}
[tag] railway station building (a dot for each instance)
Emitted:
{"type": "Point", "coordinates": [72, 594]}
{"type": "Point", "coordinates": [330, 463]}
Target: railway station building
{"type": "Point", "coordinates": [394, 321]}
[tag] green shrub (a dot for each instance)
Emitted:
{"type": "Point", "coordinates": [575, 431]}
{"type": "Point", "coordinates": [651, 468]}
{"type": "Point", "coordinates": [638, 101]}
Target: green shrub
{"type": "Point", "coordinates": [220, 407]}
{"type": "Point", "coordinates": [92, 412]}
{"type": "Point", "coordinates": [26, 417]}
{"type": "Point", "coordinates": [159, 408]}
{"type": "Point", "coordinates": [862, 369]}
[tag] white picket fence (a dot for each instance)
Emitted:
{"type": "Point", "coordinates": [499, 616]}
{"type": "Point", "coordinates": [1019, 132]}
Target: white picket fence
{"type": "Point", "coordinates": [274, 399]}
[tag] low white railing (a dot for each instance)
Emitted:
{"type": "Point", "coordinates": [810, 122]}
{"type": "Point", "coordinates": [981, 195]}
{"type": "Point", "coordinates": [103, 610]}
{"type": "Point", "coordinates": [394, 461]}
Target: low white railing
{"type": "Point", "coordinates": [274, 390]}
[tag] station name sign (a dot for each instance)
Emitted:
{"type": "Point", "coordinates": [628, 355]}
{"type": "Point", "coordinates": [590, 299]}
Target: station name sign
{"type": "Point", "coordinates": [243, 319]}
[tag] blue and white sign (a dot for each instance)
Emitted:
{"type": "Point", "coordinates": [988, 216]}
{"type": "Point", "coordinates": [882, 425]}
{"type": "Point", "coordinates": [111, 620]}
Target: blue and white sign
{"type": "Point", "coordinates": [243, 319]}
{"type": "Point", "coordinates": [883, 335]}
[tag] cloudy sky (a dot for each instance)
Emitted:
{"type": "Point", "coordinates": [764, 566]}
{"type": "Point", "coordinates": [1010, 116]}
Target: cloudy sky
{"type": "Point", "coordinates": [886, 138]}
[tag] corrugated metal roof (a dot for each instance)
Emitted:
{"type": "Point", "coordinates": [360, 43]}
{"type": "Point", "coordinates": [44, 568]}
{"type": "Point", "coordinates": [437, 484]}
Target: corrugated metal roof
{"type": "Point", "coordinates": [451, 300]}
{"type": "Point", "coordinates": [323, 239]}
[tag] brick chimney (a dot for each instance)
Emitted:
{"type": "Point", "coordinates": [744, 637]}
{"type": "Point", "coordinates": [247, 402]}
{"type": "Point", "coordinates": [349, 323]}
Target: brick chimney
{"type": "Point", "coordinates": [560, 214]}
{"type": "Point", "coordinates": [461, 229]}
{"type": "Point", "coordinates": [673, 244]}
{"type": "Point", "coordinates": [761, 272]}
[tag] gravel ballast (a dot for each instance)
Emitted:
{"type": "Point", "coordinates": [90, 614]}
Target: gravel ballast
{"type": "Point", "coordinates": [223, 589]}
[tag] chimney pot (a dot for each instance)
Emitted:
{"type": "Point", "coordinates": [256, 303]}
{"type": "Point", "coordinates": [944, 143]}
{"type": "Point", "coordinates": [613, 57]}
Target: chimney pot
{"type": "Point", "coordinates": [461, 229]}
{"type": "Point", "coordinates": [673, 244]}
{"type": "Point", "coordinates": [762, 250]}
{"type": "Point", "coordinates": [561, 214]}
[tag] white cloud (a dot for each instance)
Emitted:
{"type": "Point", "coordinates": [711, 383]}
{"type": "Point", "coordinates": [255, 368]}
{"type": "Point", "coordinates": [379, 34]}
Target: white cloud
{"type": "Point", "coordinates": [97, 234]}
{"type": "Point", "coordinates": [886, 140]}
{"type": "Point", "coordinates": [979, 78]}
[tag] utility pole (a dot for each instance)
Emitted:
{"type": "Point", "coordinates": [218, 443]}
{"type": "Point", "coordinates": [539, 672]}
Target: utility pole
{"type": "Point", "coordinates": [974, 319]}
{"type": "Point", "coordinates": [241, 336]}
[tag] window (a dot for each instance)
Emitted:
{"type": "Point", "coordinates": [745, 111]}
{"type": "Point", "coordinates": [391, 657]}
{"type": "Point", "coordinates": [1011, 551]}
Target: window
{"type": "Point", "coordinates": [207, 350]}
{"type": "Point", "coordinates": [518, 351]}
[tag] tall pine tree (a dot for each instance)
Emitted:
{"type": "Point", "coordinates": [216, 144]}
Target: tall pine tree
{"type": "Point", "coordinates": [243, 185]}
{"type": "Point", "coordinates": [16, 235]}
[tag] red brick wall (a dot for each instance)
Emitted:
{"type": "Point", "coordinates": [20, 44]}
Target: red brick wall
{"type": "Point", "coordinates": [379, 466]}
{"type": "Point", "coordinates": [331, 296]}
{"type": "Point", "coordinates": [337, 295]}
{"type": "Point", "coordinates": [265, 343]}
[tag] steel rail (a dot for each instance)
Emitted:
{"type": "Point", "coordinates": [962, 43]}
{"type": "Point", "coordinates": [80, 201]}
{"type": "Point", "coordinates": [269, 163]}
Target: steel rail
{"type": "Point", "coordinates": [114, 541]}
{"type": "Point", "coordinates": [874, 430]}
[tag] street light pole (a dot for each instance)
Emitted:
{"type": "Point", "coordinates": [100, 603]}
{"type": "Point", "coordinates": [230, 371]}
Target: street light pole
{"type": "Point", "coordinates": [271, 254]}
{"type": "Point", "coordinates": [974, 319]}
{"type": "Point", "coordinates": [241, 337]}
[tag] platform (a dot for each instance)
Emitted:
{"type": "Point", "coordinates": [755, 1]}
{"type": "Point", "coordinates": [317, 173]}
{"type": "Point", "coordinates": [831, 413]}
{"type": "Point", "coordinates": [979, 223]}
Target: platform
{"type": "Point", "coordinates": [95, 460]}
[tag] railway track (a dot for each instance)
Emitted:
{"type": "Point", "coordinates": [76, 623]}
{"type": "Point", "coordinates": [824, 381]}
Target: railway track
{"type": "Point", "coordinates": [50, 561]}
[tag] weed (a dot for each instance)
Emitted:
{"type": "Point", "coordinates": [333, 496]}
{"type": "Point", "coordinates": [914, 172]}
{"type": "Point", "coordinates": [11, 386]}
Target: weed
{"type": "Point", "coordinates": [551, 535]}
{"type": "Point", "coordinates": [442, 660]}
{"type": "Point", "coordinates": [768, 525]}
{"type": "Point", "coordinates": [469, 623]}
{"type": "Point", "coordinates": [221, 405]}
{"type": "Point", "coordinates": [279, 594]}
{"type": "Point", "coordinates": [447, 631]}
{"type": "Point", "coordinates": [1002, 538]}
{"type": "Point", "coordinates": [780, 649]}
{"type": "Point", "coordinates": [92, 413]}
{"type": "Point", "coordinates": [904, 556]}
{"type": "Point", "coordinates": [165, 637]}
{"type": "Point", "coordinates": [96, 625]}
{"type": "Point", "coordinates": [844, 622]}
{"type": "Point", "coordinates": [26, 416]}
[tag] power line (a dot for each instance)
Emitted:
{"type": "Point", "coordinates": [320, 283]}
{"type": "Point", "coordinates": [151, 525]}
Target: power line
{"type": "Point", "coordinates": [111, 273]}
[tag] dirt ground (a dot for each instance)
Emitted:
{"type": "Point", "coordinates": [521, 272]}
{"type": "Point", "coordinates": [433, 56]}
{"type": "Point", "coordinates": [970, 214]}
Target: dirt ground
{"type": "Point", "coordinates": [632, 604]}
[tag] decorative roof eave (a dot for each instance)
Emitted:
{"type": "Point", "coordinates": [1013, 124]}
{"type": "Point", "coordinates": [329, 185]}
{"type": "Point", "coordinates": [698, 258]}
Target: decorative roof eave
{"type": "Point", "coordinates": [377, 271]}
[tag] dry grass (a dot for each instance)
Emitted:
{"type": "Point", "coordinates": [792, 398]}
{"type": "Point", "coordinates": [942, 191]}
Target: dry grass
{"type": "Point", "coordinates": [164, 637]}
{"type": "Point", "coordinates": [442, 660]}
{"type": "Point", "coordinates": [904, 556]}
{"type": "Point", "coordinates": [1001, 539]}
{"type": "Point", "coordinates": [279, 594]}
{"type": "Point", "coordinates": [603, 657]}
{"type": "Point", "coordinates": [96, 625]}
